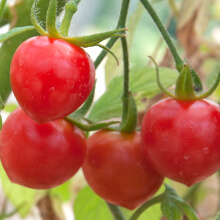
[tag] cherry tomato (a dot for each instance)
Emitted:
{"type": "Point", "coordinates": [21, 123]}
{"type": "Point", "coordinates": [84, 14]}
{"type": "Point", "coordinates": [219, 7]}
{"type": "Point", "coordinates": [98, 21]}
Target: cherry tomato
{"type": "Point", "coordinates": [40, 156]}
{"type": "Point", "coordinates": [182, 139]}
{"type": "Point", "coordinates": [51, 78]}
{"type": "Point", "coordinates": [117, 170]}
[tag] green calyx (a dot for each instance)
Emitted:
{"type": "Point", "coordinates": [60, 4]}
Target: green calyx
{"type": "Point", "coordinates": [185, 88]}
{"type": "Point", "coordinates": [129, 121]}
{"type": "Point", "coordinates": [62, 33]}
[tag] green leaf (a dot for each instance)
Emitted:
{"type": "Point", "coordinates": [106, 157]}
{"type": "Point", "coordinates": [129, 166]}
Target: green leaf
{"type": "Point", "coordinates": [10, 107]}
{"type": "Point", "coordinates": [170, 210]}
{"type": "Point", "coordinates": [21, 197]}
{"type": "Point", "coordinates": [2, 105]}
{"type": "Point", "coordinates": [142, 84]}
{"type": "Point", "coordinates": [187, 210]}
{"type": "Point", "coordinates": [62, 192]}
{"type": "Point", "coordinates": [90, 207]}
{"type": "Point", "coordinates": [217, 216]}
{"type": "Point", "coordinates": [15, 31]}
{"type": "Point", "coordinates": [2, 7]}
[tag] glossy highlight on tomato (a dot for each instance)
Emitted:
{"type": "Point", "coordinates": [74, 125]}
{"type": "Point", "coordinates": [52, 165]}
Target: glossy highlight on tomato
{"type": "Point", "coordinates": [117, 170]}
{"type": "Point", "coordinates": [51, 78]}
{"type": "Point", "coordinates": [182, 139]}
{"type": "Point", "coordinates": [40, 156]}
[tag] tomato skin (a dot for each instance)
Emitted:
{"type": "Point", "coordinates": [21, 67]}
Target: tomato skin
{"type": "Point", "coordinates": [182, 139]}
{"type": "Point", "coordinates": [116, 169]}
{"type": "Point", "coordinates": [40, 156]}
{"type": "Point", "coordinates": [51, 78]}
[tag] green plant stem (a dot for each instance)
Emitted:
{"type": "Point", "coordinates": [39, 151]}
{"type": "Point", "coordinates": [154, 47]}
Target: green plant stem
{"type": "Point", "coordinates": [70, 9]}
{"type": "Point", "coordinates": [146, 205]}
{"type": "Point", "coordinates": [125, 95]}
{"type": "Point", "coordinates": [115, 210]}
{"type": "Point", "coordinates": [160, 42]}
{"type": "Point", "coordinates": [178, 61]}
{"type": "Point", "coordinates": [121, 23]}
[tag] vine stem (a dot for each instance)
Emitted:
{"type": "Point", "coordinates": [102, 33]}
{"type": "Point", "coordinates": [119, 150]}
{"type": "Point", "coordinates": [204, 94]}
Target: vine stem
{"type": "Point", "coordinates": [178, 61]}
{"type": "Point", "coordinates": [121, 24]}
{"type": "Point", "coordinates": [125, 95]}
{"type": "Point", "coordinates": [146, 205]}
{"type": "Point", "coordinates": [116, 212]}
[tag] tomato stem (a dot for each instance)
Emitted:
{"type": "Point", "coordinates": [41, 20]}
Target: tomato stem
{"type": "Point", "coordinates": [126, 78]}
{"type": "Point", "coordinates": [148, 204]}
{"type": "Point", "coordinates": [116, 212]}
{"type": "Point", "coordinates": [70, 9]}
{"type": "Point", "coordinates": [178, 61]}
{"type": "Point", "coordinates": [121, 23]}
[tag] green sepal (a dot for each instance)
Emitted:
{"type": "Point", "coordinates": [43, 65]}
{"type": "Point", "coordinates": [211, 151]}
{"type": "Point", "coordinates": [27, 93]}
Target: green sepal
{"type": "Point", "coordinates": [94, 39]}
{"type": "Point", "coordinates": [51, 20]}
{"type": "Point", "coordinates": [129, 124]}
{"type": "Point", "coordinates": [70, 10]}
{"type": "Point", "coordinates": [185, 89]}
{"type": "Point", "coordinates": [109, 51]}
{"type": "Point", "coordinates": [35, 22]}
{"type": "Point", "coordinates": [15, 31]}
{"type": "Point", "coordinates": [90, 127]}
{"type": "Point", "coordinates": [198, 87]}
{"type": "Point", "coordinates": [184, 85]}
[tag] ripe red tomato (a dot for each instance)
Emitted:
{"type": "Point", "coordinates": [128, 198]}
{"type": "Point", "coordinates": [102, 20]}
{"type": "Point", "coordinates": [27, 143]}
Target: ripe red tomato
{"type": "Point", "coordinates": [40, 156]}
{"type": "Point", "coordinates": [117, 170]}
{"type": "Point", "coordinates": [182, 139]}
{"type": "Point", "coordinates": [51, 78]}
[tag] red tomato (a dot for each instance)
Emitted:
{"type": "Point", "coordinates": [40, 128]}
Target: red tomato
{"type": "Point", "coordinates": [51, 78]}
{"type": "Point", "coordinates": [182, 139]}
{"type": "Point", "coordinates": [117, 170]}
{"type": "Point", "coordinates": [40, 156]}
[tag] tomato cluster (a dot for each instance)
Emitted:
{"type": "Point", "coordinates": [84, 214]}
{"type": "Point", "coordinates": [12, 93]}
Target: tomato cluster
{"type": "Point", "coordinates": [51, 78]}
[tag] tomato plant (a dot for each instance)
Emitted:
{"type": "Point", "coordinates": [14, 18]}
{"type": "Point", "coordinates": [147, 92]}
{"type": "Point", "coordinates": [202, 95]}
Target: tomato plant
{"type": "Point", "coordinates": [42, 144]}
{"type": "Point", "coordinates": [181, 139]}
{"type": "Point", "coordinates": [116, 169]}
{"type": "Point", "coordinates": [40, 156]}
{"type": "Point", "coordinates": [51, 78]}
